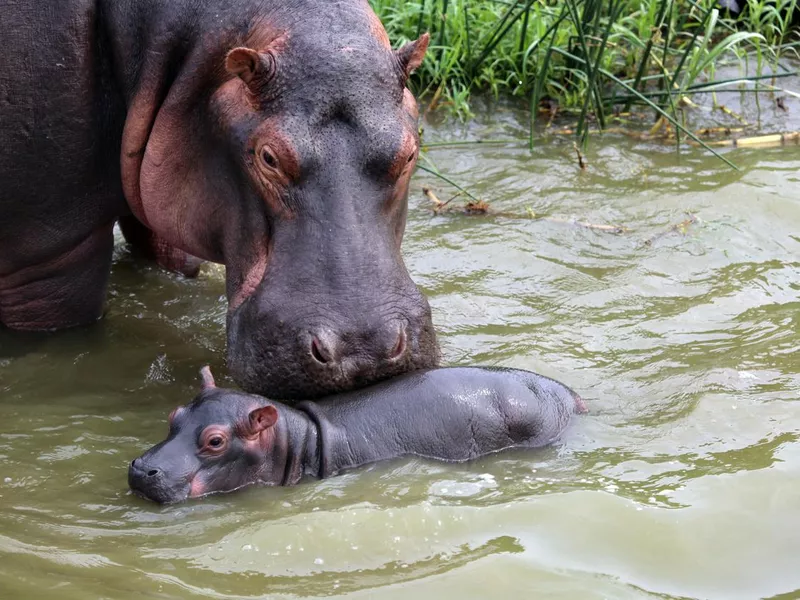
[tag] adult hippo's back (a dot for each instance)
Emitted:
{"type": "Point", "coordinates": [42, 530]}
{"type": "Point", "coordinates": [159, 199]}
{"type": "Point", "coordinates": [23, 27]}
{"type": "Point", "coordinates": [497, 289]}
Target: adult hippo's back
{"type": "Point", "coordinates": [276, 137]}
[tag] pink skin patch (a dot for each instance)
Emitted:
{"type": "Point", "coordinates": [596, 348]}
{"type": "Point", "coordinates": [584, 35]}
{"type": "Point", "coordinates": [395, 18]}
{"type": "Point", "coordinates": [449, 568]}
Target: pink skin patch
{"type": "Point", "coordinates": [197, 488]}
{"type": "Point", "coordinates": [262, 442]}
{"type": "Point", "coordinates": [252, 279]}
{"type": "Point", "coordinates": [580, 405]}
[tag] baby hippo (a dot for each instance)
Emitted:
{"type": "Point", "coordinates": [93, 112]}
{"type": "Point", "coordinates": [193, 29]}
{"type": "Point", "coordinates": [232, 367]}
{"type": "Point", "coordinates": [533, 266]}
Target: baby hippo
{"type": "Point", "coordinates": [225, 440]}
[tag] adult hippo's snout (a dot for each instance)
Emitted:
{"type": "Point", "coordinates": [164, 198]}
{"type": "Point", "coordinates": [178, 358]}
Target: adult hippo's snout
{"type": "Point", "coordinates": [290, 362]}
{"type": "Point", "coordinates": [289, 341]}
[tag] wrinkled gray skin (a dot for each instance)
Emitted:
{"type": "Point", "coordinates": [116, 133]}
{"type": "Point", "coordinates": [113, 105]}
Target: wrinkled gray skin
{"type": "Point", "coordinates": [225, 440]}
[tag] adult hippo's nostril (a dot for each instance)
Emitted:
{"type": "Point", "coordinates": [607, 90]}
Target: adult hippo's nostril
{"type": "Point", "coordinates": [399, 348]}
{"type": "Point", "coordinates": [389, 343]}
{"type": "Point", "coordinates": [323, 347]}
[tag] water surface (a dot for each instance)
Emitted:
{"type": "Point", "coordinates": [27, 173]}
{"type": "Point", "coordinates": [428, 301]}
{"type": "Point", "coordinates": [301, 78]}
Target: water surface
{"type": "Point", "coordinates": [682, 482]}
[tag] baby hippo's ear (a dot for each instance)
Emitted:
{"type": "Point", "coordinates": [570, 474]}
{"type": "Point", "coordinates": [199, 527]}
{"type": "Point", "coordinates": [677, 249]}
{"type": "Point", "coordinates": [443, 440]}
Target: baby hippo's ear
{"type": "Point", "coordinates": [263, 418]}
{"type": "Point", "coordinates": [207, 378]}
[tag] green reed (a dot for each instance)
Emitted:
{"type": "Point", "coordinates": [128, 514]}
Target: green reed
{"type": "Point", "coordinates": [593, 57]}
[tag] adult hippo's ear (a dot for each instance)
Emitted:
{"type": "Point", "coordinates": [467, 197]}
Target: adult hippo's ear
{"type": "Point", "coordinates": [262, 418]}
{"type": "Point", "coordinates": [255, 68]}
{"type": "Point", "coordinates": [410, 55]}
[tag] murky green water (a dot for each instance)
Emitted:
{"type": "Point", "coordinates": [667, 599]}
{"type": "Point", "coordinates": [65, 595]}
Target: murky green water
{"type": "Point", "coordinates": [684, 481]}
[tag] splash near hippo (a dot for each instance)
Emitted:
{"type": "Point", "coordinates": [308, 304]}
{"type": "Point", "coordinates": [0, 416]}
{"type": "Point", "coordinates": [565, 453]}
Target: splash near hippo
{"type": "Point", "coordinates": [276, 138]}
{"type": "Point", "coordinates": [225, 440]}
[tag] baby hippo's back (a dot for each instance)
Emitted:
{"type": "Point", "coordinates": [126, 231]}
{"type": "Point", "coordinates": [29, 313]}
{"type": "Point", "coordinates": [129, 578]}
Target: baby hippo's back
{"type": "Point", "coordinates": [454, 414]}
{"type": "Point", "coordinates": [508, 407]}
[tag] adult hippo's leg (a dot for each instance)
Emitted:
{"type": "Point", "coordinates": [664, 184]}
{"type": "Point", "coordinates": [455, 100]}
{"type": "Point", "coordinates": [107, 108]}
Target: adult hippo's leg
{"type": "Point", "coordinates": [65, 291]}
{"type": "Point", "coordinates": [152, 247]}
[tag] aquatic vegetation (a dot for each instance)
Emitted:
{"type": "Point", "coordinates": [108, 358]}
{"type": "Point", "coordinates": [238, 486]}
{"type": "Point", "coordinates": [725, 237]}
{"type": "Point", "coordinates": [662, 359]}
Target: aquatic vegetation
{"type": "Point", "coordinates": [593, 58]}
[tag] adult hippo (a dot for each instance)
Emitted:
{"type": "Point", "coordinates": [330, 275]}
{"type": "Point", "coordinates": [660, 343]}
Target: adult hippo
{"type": "Point", "coordinates": [275, 137]}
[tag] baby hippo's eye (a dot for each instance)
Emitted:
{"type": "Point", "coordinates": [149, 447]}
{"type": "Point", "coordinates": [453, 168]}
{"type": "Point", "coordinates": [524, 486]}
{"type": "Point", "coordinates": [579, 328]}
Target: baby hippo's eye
{"type": "Point", "coordinates": [213, 440]}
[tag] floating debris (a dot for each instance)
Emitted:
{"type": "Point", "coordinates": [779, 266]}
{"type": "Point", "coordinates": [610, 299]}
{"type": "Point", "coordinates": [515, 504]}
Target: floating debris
{"type": "Point", "coordinates": [681, 228]}
{"type": "Point", "coordinates": [481, 207]}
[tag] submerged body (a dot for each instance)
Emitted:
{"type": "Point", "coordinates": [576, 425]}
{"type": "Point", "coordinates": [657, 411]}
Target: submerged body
{"type": "Point", "coordinates": [225, 440]}
{"type": "Point", "coordinates": [276, 137]}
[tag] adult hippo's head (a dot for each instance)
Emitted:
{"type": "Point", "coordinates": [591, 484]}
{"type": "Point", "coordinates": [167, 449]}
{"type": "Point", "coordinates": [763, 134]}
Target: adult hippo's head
{"type": "Point", "coordinates": [285, 153]}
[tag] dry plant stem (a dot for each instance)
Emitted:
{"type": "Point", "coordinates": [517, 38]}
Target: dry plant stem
{"type": "Point", "coordinates": [761, 141]}
{"type": "Point", "coordinates": [438, 205]}
{"type": "Point", "coordinates": [730, 113]}
{"type": "Point", "coordinates": [581, 162]}
{"type": "Point", "coordinates": [616, 229]}
{"type": "Point", "coordinates": [434, 101]}
{"type": "Point", "coordinates": [431, 195]}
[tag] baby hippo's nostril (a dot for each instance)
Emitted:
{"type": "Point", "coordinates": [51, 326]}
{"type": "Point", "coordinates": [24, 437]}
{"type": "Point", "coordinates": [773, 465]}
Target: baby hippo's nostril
{"type": "Point", "coordinates": [399, 348]}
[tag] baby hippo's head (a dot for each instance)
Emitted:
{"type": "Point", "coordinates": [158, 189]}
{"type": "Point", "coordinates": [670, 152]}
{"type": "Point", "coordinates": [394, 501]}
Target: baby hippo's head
{"type": "Point", "coordinates": [223, 440]}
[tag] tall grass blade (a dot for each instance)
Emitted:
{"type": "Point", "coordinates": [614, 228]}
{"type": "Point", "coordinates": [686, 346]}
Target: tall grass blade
{"type": "Point", "coordinates": [689, 49]}
{"type": "Point", "coordinates": [442, 30]}
{"type": "Point", "coordinates": [500, 31]}
{"type": "Point", "coordinates": [421, 19]}
{"type": "Point", "coordinates": [446, 179]}
{"type": "Point", "coordinates": [523, 36]}
{"type": "Point", "coordinates": [655, 107]}
{"type": "Point", "coordinates": [540, 79]}
{"type": "Point", "coordinates": [467, 32]}
{"type": "Point", "coordinates": [644, 61]}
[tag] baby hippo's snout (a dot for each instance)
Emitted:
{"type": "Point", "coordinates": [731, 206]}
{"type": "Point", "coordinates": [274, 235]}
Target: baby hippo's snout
{"type": "Point", "coordinates": [140, 473]}
{"type": "Point", "coordinates": [149, 480]}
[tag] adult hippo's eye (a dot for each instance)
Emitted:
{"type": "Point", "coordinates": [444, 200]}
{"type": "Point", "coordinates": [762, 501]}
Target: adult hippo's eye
{"type": "Point", "coordinates": [268, 158]}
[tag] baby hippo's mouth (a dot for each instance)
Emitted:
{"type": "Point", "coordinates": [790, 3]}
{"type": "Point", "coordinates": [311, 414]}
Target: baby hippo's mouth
{"type": "Point", "coordinates": [150, 483]}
